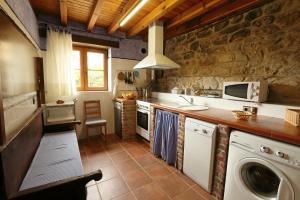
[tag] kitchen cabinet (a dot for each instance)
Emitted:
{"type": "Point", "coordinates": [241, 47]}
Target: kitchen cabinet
{"type": "Point", "coordinates": [59, 113]}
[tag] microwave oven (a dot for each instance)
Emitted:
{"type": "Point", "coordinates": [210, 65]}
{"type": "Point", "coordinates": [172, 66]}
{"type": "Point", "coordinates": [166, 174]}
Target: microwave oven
{"type": "Point", "coordinates": [246, 91]}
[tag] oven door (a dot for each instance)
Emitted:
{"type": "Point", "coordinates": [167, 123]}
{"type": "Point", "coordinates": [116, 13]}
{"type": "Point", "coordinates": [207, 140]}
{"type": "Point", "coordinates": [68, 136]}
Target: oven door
{"type": "Point", "coordinates": [143, 123]}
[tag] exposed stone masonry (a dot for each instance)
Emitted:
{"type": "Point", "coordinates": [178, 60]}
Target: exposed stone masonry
{"type": "Point", "coordinates": [128, 119]}
{"type": "Point", "coordinates": [152, 126]}
{"type": "Point", "coordinates": [180, 142]}
{"type": "Point", "coordinates": [221, 154]}
{"type": "Point", "coordinates": [260, 44]}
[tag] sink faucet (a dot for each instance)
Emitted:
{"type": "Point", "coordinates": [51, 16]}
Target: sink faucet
{"type": "Point", "coordinates": [190, 102]}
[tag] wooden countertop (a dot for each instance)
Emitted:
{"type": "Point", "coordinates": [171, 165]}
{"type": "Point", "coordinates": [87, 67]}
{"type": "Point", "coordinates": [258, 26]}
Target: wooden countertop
{"type": "Point", "coordinates": [149, 100]}
{"type": "Point", "coordinates": [269, 127]}
{"type": "Point", "coordinates": [123, 100]}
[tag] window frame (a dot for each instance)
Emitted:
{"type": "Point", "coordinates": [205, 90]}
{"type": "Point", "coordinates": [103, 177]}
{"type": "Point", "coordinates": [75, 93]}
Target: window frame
{"type": "Point", "coordinates": [84, 68]}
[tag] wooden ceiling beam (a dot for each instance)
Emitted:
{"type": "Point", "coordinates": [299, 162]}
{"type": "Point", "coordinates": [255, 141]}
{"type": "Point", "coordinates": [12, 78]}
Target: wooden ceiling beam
{"type": "Point", "coordinates": [158, 12]}
{"type": "Point", "coordinates": [126, 10]}
{"type": "Point", "coordinates": [95, 41]}
{"type": "Point", "coordinates": [214, 15]}
{"type": "Point", "coordinates": [95, 15]}
{"type": "Point", "coordinates": [63, 12]}
{"type": "Point", "coordinates": [193, 12]}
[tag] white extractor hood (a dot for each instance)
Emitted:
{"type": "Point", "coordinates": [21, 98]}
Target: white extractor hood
{"type": "Point", "coordinates": [155, 58]}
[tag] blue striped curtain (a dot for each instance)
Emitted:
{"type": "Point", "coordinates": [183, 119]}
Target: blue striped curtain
{"type": "Point", "coordinates": [165, 136]}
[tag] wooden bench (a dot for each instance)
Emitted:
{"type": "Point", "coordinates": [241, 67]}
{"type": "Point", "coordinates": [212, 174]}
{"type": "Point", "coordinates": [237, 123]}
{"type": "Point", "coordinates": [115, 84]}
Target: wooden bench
{"type": "Point", "coordinates": [43, 166]}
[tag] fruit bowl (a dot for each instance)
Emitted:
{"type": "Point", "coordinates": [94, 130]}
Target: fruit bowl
{"type": "Point", "coordinates": [241, 115]}
{"type": "Point", "coordinates": [130, 96]}
{"type": "Point", "coordinates": [60, 101]}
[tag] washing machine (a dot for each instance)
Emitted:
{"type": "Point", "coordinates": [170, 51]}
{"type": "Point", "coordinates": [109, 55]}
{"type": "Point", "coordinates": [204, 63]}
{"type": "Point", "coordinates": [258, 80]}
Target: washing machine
{"type": "Point", "coordinates": [261, 169]}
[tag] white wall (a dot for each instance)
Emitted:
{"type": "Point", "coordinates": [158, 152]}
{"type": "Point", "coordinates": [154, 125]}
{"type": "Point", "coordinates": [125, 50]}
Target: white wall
{"type": "Point", "coordinates": [115, 65]}
{"type": "Point", "coordinates": [106, 106]}
{"type": "Point", "coordinates": [266, 109]}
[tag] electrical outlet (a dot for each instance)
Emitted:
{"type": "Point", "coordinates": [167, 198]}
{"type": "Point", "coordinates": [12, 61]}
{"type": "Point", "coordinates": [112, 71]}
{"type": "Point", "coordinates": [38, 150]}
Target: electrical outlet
{"type": "Point", "coordinates": [251, 109]}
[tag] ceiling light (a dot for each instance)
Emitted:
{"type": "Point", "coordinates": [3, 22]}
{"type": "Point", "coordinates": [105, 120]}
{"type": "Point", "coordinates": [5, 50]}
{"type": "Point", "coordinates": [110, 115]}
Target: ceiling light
{"type": "Point", "coordinates": [133, 12]}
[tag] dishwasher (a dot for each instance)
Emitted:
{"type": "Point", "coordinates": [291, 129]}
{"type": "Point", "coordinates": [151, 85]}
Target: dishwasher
{"type": "Point", "coordinates": [199, 151]}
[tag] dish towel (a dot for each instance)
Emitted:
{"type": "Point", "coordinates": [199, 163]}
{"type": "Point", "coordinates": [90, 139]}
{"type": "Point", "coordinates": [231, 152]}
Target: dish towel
{"type": "Point", "coordinates": [165, 136]}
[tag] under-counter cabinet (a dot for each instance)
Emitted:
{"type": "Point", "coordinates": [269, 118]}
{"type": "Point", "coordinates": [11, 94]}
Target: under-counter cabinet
{"type": "Point", "coordinates": [59, 113]}
{"type": "Point", "coordinates": [199, 151]}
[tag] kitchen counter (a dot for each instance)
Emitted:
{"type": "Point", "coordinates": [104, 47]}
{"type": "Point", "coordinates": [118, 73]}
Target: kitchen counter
{"type": "Point", "coordinates": [149, 100]}
{"type": "Point", "coordinates": [269, 127]}
{"type": "Point", "coordinates": [122, 100]}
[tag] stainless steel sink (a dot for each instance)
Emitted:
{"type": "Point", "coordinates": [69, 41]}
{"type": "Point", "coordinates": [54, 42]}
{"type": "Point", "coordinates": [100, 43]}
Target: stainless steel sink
{"type": "Point", "coordinates": [184, 106]}
{"type": "Point", "coordinates": [193, 107]}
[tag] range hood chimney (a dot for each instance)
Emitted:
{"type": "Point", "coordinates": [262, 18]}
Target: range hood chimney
{"type": "Point", "coordinates": [155, 58]}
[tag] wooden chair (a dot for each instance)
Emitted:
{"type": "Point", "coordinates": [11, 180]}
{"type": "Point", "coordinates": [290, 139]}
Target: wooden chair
{"type": "Point", "coordinates": [92, 111]}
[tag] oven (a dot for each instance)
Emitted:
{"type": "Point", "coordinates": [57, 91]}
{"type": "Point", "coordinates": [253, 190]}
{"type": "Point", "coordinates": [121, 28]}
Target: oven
{"type": "Point", "coordinates": [143, 119]}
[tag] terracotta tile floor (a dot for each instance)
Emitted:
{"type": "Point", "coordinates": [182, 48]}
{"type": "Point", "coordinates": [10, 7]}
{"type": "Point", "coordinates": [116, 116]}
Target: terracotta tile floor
{"type": "Point", "coordinates": [131, 172]}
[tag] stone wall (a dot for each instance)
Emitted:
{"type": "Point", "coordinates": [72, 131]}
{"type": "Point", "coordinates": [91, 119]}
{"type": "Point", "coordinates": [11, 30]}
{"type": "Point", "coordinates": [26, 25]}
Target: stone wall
{"type": "Point", "coordinates": [260, 44]}
{"type": "Point", "coordinates": [220, 165]}
{"type": "Point", "coordinates": [180, 142]}
{"type": "Point", "coordinates": [152, 127]}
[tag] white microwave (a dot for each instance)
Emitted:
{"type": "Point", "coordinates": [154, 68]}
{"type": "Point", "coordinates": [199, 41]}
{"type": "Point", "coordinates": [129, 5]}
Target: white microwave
{"type": "Point", "coordinates": [246, 91]}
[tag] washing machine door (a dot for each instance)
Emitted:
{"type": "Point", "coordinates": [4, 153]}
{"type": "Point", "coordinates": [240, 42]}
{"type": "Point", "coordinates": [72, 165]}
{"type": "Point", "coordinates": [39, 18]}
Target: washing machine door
{"type": "Point", "coordinates": [262, 180]}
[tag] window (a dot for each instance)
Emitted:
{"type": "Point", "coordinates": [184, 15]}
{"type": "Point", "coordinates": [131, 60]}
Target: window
{"type": "Point", "coordinates": [90, 68]}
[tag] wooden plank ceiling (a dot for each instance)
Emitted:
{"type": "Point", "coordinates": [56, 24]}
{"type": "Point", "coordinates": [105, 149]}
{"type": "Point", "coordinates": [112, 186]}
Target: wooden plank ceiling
{"type": "Point", "coordinates": [109, 13]}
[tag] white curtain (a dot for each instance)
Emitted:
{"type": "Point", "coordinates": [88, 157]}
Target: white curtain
{"type": "Point", "coordinates": [59, 75]}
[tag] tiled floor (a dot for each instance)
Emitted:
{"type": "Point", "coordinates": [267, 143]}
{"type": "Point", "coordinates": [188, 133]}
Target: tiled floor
{"type": "Point", "coordinates": [131, 172]}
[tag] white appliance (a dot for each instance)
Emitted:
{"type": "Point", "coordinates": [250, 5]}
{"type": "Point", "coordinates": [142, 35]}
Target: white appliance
{"type": "Point", "coordinates": [155, 58]}
{"type": "Point", "coordinates": [260, 168]}
{"type": "Point", "coordinates": [143, 119]}
{"type": "Point", "coordinates": [199, 151]}
{"type": "Point", "coordinates": [246, 91]}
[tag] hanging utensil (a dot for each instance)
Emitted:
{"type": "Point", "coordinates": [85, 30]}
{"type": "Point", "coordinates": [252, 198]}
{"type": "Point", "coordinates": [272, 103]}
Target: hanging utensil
{"type": "Point", "coordinates": [126, 77]}
{"type": "Point", "coordinates": [133, 78]}
{"type": "Point", "coordinates": [129, 78]}
{"type": "Point", "coordinates": [121, 76]}
{"type": "Point", "coordinates": [136, 73]}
